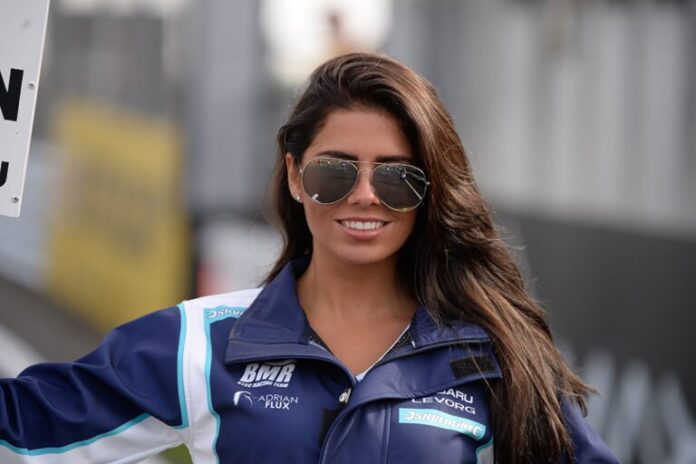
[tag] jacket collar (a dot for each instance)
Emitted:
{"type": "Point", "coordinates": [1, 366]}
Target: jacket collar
{"type": "Point", "coordinates": [275, 325]}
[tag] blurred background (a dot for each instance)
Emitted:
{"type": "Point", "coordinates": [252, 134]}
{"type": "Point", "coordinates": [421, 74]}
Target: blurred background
{"type": "Point", "coordinates": [154, 141]}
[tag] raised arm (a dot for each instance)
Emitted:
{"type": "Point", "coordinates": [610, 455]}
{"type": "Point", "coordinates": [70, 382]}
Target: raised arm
{"type": "Point", "coordinates": [120, 403]}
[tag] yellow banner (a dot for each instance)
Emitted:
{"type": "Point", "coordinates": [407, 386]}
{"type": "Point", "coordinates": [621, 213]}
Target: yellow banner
{"type": "Point", "coordinates": [119, 241]}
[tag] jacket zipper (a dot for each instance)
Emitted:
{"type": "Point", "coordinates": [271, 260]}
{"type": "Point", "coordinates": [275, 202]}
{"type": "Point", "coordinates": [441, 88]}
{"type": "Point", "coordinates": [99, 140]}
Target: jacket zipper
{"type": "Point", "coordinates": [347, 408]}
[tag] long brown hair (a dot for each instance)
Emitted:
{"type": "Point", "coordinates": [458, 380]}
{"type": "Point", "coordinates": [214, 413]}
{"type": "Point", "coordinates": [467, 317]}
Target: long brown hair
{"type": "Point", "coordinates": [454, 261]}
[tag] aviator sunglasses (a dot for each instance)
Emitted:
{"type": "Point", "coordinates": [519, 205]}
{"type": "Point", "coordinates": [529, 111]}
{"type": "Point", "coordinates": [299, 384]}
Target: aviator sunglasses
{"type": "Point", "coordinates": [400, 187]}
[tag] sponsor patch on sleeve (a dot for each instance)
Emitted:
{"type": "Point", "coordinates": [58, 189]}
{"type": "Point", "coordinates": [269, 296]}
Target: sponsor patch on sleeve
{"type": "Point", "coordinates": [442, 420]}
{"type": "Point", "coordinates": [223, 312]}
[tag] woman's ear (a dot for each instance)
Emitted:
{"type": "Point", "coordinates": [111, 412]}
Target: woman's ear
{"type": "Point", "coordinates": [294, 182]}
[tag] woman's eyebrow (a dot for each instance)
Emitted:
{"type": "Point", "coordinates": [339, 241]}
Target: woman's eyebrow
{"type": "Point", "coordinates": [352, 157]}
{"type": "Point", "coordinates": [394, 159]}
{"type": "Point", "coordinates": [338, 154]}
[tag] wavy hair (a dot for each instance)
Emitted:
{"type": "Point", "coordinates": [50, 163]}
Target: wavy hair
{"type": "Point", "coordinates": [454, 261]}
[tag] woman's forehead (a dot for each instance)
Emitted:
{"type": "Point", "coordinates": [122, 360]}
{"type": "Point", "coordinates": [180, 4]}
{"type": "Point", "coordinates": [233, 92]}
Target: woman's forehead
{"type": "Point", "coordinates": [361, 134]}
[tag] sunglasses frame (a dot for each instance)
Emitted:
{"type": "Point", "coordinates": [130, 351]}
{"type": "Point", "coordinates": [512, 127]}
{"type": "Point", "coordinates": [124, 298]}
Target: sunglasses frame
{"type": "Point", "coordinates": [355, 163]}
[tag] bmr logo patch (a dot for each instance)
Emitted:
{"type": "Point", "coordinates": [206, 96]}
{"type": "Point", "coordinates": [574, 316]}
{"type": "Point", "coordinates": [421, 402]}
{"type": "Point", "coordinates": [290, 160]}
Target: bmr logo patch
{"type": "Point", "coordinates": [276, 374]}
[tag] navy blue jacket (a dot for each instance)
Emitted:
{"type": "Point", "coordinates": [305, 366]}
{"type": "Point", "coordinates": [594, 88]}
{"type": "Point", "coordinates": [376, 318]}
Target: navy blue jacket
{"type": "Point", "coordinates": [241, 378]}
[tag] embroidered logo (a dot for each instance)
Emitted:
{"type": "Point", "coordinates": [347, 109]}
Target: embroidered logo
{"type": "Point", "coordinates": [441, 420]}
{"type": "Point", "coordinates": [269, 401]}
{"type": "Point", "coordinates": [223, 312]}
{"type": "Point", "coordinates": [274, 401]}
{"type": "Point", "coordinates": [451, 398]}
{"type": "Point", "coordinates": [276, 374]}
{"type": "Point", "coordinates": [241, 397]}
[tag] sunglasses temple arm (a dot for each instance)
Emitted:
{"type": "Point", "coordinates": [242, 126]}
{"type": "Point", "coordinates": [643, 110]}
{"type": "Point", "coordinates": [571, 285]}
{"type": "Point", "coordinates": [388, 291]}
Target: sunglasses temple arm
{"type": "Point", "coordinates": [414, 190]}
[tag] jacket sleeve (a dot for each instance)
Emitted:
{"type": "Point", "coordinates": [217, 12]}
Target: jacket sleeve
{"type": "Point", "coordinates": [589, 447]}
{"type": "Point", "coordinates": [120, 403]}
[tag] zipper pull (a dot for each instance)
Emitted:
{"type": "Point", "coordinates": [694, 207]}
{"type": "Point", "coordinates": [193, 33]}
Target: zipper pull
{"type": "Point", "coordinates": [331, 414]}
{"type": "Point", "coordinates": [345, 396]}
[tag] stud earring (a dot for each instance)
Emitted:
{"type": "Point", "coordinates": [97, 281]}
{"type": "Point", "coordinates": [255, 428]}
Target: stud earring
{"type": "Point", "coordinates": [297, 198]}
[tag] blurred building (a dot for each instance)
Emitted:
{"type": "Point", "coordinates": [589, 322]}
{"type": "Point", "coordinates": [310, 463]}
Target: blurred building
{"type": "Point", "coordinates": [154, 143]}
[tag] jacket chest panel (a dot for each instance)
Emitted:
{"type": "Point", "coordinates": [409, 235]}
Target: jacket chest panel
{"type": "Point", "coordinates": [452, 425]}
{"type": "Point", "coordinates": [454, 422]}
{"type": "Point", "coordinates": [268, 409]}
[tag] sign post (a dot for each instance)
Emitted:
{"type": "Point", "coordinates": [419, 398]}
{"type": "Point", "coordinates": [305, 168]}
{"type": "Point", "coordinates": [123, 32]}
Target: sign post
{"type": "Point", "coordinates": [22, 33]}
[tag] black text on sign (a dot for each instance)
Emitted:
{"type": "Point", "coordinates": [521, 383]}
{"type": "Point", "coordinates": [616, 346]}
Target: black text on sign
{"type": "Point", "coordinates": [4, 167]}
{"type": "Point", "coordinates": [10, 93]}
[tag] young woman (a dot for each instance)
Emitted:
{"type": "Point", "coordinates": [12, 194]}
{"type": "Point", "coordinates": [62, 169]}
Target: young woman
{"type": "Point", "coordinates": [394, 327]}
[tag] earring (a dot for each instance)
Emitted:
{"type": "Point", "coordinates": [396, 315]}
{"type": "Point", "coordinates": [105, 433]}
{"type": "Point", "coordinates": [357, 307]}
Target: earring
{"type": "Point", "coordinates": [297, 198]}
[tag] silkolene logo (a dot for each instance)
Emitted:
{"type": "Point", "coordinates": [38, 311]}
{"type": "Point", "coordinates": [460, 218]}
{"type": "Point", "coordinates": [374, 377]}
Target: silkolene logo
{"type": "Point", "coordinates": [276, 374]}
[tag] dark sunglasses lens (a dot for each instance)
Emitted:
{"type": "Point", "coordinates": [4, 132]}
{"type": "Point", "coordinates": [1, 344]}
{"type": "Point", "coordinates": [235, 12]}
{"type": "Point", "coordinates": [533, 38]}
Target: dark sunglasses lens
{"type": "Point", "coordinates": [328, 180]}
{"type": "Point", "coordinates": [400, 186]}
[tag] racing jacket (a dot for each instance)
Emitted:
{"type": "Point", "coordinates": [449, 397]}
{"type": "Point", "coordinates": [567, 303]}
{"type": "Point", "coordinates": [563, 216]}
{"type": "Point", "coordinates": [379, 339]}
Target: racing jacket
{"type": "Point", "coordinates": [240, 378]}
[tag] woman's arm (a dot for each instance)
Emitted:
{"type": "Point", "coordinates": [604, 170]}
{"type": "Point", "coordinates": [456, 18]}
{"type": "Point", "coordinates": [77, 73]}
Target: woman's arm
{"type": "Point", "coordinates": [120, 403]}
{"type": "Point", "coordinates": [589, 447]}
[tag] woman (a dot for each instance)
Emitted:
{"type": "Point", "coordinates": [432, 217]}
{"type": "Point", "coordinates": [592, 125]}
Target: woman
{"type": "Point", "coordinates": [394, 327]}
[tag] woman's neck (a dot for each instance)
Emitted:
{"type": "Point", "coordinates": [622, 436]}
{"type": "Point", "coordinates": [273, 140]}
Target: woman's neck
{"type": "Point", "coordinates": [354, 294]}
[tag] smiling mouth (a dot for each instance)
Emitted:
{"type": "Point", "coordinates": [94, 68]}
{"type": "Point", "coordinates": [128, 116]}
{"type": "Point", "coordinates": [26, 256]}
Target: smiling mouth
{"type": "Point", "coordinates": [363, 225]}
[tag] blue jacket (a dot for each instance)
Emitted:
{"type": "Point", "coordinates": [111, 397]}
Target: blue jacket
{"type": "Point", "coordinates": [240, 378]}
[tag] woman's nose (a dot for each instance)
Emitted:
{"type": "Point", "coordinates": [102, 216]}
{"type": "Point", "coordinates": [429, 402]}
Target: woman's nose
{"type": "Point", "coordinates": [363, 193]}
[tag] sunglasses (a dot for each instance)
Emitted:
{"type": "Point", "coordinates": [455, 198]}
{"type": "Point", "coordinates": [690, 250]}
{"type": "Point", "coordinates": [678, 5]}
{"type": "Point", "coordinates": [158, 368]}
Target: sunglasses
{"type": "Point", "coordinates": [400, 187]}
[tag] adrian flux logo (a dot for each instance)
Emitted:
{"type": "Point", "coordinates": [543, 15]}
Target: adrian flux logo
{"type": "Point", "coordinates": [242, 395]}
{"type": "Point", "coordinates": [269, 401]}
{"type": "Point", "coordinates": [276, 374]}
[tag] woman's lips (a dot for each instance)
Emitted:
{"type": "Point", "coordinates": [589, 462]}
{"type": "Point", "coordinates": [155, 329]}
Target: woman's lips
{"type": "Point", "coordinates": [362, 228]}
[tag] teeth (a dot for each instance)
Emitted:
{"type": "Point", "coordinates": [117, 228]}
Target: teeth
{"type": "Point", "coordinates": [360, 225]}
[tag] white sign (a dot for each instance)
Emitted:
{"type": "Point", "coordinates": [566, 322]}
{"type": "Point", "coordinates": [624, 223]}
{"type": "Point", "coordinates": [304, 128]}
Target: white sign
{"type": "Point", "coordinates": [22, 32]}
